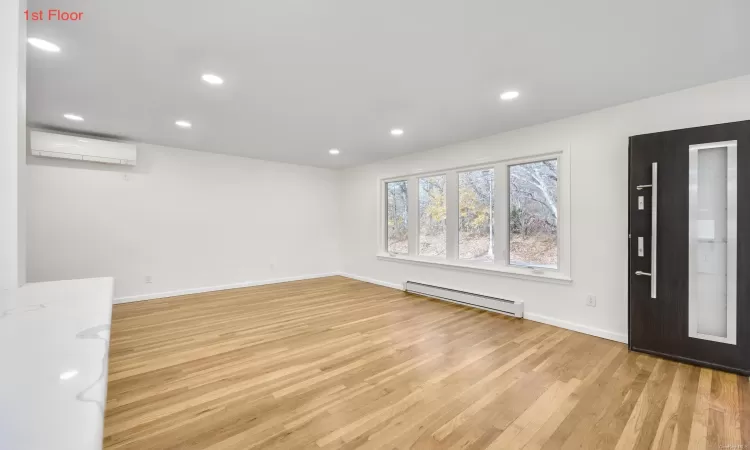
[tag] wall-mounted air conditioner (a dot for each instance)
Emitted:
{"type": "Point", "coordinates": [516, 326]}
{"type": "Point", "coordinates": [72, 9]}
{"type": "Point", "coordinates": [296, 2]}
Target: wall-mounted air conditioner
{"type": "Point", "coordinates": [52, 145]}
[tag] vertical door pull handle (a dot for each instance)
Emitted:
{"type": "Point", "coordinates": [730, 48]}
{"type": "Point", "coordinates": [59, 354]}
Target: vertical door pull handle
{"type": "Point", "coordinates": [654, 180]}
{"type": "Point", "coordinates": [654, 192]}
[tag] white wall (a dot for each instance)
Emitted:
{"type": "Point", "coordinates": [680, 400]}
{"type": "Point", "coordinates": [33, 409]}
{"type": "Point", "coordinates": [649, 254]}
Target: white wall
{"type": "Point", "coordinates": [188, 219]}
{"type": "Point", "coordinates": [12, 144]}
{"type": "Point", "coordinates": [598, 145]}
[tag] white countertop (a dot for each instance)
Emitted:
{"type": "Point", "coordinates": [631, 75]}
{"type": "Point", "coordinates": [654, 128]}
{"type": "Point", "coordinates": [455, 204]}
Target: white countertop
{"type": "Point", "coordinates": [54, 345]}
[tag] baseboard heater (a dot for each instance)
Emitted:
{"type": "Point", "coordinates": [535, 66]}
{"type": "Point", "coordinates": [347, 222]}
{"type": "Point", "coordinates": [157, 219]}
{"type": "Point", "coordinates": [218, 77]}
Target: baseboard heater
{"type": "Point", "coordinates": [509, 307]}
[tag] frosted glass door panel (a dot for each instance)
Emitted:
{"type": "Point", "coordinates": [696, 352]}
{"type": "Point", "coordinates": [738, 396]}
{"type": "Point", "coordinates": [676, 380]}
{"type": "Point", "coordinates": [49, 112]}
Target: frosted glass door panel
{"type": "Point", "coordinates": [713, 257]}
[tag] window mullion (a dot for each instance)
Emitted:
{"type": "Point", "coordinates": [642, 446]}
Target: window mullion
{"type": "Point", "coordinates": [412, 190]}
{"type": "Point", "coordinates": [563, 208]}
{"type": "Point", "coordinates": [501, 241]}
{"type": "Point", "coordinates": [383, 229]}
{"type": "Point", "coordinates": [451, 218]}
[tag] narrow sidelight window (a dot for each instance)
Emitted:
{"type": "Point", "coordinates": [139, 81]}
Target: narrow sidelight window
{"type": "Point", "coordinates": [713, 242]}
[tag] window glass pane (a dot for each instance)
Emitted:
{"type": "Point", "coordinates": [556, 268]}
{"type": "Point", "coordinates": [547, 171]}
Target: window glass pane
{"type": "Point", "coordinates": [713, 268]}
{"type": "Point", "coordinates": [432, 216]}
{"type": "Point", "coordinates": [398, 226]}
{"type": "Point", "coordinates": [476, 224]}
{"type": "Point", "coordinates": [533, 214]}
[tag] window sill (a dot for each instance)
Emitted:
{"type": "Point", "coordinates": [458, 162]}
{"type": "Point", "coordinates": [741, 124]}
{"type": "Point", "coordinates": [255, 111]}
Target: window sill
{"type": "Point", "coordinates": [516, 272]}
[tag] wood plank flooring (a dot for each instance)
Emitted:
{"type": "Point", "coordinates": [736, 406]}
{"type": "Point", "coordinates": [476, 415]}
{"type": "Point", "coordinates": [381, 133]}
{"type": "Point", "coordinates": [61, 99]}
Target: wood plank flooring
{"type": "Point", "coordinates": [335, 363]}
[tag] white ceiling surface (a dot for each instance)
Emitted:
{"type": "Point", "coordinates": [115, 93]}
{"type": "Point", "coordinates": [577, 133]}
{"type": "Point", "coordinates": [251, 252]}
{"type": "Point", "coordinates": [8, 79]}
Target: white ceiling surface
{"type": "Point", "coordinates": [302, 77]}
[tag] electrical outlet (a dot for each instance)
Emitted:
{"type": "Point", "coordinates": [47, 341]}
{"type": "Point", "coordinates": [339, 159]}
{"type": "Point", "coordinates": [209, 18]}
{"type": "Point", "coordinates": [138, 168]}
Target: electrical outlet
{"type": "Point", "coordinates": [148, 279]}
{"type": "Point", "coordinates": [591, 300]}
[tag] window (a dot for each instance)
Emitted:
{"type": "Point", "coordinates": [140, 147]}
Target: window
{"type": "Point", "coordinates": [476, 219]}
{"type": "Point", "coordinates": [398, 218]}
{"type": "Point", "coordinates": [533, 214]}
{"type": "Point", "coordinates": [508, 216]}
{"type": "Point", "coordinates": [712, 215]}
{"type": "Point", "coordinates": [432, 216]}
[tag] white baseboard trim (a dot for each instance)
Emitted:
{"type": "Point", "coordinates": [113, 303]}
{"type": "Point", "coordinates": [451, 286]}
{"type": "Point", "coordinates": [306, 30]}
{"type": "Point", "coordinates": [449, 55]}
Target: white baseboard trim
{"type": "Point", "coordinates": [400, 287]}
{"type": "Point", "coordinates": [199, 290]}
{"type": "Point", "coordinates": [598, 332]}
{"type": "Point", "coordinates": [585, 329]}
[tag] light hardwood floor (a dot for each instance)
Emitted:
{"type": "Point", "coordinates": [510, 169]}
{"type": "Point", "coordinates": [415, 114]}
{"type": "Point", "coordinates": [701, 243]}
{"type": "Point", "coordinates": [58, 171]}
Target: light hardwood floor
{"type": "Point", "coordinates": [336, 363]}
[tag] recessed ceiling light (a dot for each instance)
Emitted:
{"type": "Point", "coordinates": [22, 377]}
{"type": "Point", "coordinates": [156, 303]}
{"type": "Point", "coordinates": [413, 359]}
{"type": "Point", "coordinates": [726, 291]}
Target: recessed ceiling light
{"type": "Point", "coordinates": [334, 151]}
{"type": "Point", "coordinates": [509, 95]}
{"type": "Point", "coordinates": [397, 131]}
{"type": "Point", "coordinates": [75, 117]}
{"type": "Point", "coordinates": [68, 375]}
{"type": "Point", "coordinates": [183, 124]}
{"type": "Point", "coordinates": [212, 79]}
{"type": "Point", "coordinates": [43, 45]}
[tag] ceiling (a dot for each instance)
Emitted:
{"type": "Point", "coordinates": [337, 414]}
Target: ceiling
{"type": "Point", "coordinates": [302, 77]}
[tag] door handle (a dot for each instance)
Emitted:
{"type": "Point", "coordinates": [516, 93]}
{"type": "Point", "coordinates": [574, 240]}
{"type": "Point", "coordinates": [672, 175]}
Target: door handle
{"type": "Point", "coordinates": [654, 192]}
{"type": "Point", "coordinates": [654, 180]}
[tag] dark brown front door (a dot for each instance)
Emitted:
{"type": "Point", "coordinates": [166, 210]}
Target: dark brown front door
{"type": "Point", "coordinates": [689, 269]}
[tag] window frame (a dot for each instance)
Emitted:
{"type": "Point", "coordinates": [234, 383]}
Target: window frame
{"type": "Point", "coordinates": [457, 207]}
{"type": "Point", "coordinates": [507, 234]}
{"type": "Point", "coordinates": [501, 192]}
